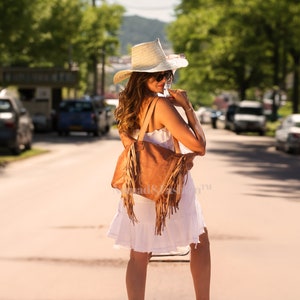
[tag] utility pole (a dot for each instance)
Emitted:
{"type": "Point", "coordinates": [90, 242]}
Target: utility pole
{"type": "Point", "coordinates": [95, 71]}
{"type": "Point", "coordinates": [95, 65]}
{"type": "Point", "coordinates": [103, 72]}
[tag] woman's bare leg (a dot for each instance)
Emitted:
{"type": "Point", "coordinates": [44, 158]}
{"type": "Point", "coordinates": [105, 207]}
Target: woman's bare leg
{"type": "Point", "coordinates": [136, 275]}
{"type": "Point", "coordinates": [200, 267]}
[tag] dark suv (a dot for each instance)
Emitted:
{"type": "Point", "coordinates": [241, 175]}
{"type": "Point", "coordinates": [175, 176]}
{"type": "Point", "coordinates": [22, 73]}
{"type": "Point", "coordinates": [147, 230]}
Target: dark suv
{"type": "Point", "coordinates": [16, 127]}
{"type": "Point", "coordinates": [82, 115]}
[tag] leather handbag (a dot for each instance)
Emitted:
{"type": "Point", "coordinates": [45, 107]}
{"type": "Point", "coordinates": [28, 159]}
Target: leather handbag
{"type": "Point", "coordinates": [150, 170]}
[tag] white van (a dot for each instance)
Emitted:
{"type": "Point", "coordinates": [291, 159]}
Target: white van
{"type": "Point", "coordinates": [249, 117]}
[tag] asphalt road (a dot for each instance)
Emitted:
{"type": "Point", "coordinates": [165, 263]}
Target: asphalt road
{"type": "Point", "coordinates": [55, 210]}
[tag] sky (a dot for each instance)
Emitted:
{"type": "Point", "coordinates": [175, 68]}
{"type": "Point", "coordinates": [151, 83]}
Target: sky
{"type": "Point", "coordinates": [162, 10]}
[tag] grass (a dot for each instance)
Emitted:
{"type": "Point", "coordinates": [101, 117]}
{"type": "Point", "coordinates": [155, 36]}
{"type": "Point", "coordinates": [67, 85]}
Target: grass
{"type": "Point", "coordinates": [6, 157]}
{"type": "Point", "coordinates": [271, 128]}
{"type": "Point", "coordinates": [285, 110]}
{"type": "Point", "coordinates": [282, 112]}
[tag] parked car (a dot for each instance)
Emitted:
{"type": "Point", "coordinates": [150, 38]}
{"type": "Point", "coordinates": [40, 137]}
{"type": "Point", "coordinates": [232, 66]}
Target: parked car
{"type": "Point", "coordinates": [40, 122]}
{"type": "Point", "coordinates": [287, 135]}
{"type": "Point", "coordinates": [203, 114]}
{"type": "Point", "coordinates": [16, 126]}
{"type": "Point", "coordinates": [249, 117]}
{"type": "Point", "coordinates": [101, 106]}
{"type": "Point", "coordinates": [82, 116]}
{"type": "Point", "coordinates": [112, 104]}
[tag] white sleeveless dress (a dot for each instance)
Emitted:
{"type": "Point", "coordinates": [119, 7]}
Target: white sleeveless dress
{"type": "Point", "coordinates": [182, 228]}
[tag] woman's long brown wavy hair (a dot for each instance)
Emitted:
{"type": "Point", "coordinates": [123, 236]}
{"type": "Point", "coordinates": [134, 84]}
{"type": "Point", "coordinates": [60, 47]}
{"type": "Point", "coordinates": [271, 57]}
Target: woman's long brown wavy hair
{"type": "Point", "coordinates": [131, 100]}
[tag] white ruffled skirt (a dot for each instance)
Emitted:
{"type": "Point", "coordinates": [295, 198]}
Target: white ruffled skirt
{"type": "Point", "coordinates": [182, 228]}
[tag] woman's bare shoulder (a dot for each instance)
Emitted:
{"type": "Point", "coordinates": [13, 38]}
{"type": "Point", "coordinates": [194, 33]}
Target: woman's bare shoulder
{"type": "Point", "coordinates": [164, 104]}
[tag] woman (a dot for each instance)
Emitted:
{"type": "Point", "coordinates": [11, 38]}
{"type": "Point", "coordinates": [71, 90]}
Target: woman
{"type": "Point", "coordinates": [151, 71]}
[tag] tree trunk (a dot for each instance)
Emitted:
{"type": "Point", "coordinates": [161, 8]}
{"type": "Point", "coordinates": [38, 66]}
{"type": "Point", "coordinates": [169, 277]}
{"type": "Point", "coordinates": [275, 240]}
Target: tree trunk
{"type": "Point", "coordinates": [276, 64]}
{"type": "Point", "coordinates": [103, 72]}
{"type": "Point", "coordinates": [284, 69]}
{"type": "Point", "coordinates": [242, 92]}
{"type": "Point", "coordinates": [295, 96]}
{"type": "Point", "coordinates": [95, 73]}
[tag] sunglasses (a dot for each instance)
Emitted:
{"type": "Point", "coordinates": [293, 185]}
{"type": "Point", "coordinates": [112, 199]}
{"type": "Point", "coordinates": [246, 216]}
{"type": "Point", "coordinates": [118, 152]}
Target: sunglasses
{"type": "Point", "coordinates": [160, 76]}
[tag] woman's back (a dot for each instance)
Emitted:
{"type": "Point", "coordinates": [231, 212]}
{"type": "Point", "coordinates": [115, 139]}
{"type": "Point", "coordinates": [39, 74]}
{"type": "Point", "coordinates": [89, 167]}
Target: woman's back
{"type": "Point", "coordinates": [161, 137]}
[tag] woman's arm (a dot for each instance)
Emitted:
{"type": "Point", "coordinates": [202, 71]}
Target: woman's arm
{"type": "Point", "coordinates": [190, 135]}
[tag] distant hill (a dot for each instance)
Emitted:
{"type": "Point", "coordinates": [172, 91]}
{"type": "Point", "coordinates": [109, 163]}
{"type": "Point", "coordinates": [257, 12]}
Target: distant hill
{"type": "Point", "coordinates": [136, 29]}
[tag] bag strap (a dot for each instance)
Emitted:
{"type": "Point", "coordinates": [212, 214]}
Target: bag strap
{"type": "Point", "coordinates": [147, 118]}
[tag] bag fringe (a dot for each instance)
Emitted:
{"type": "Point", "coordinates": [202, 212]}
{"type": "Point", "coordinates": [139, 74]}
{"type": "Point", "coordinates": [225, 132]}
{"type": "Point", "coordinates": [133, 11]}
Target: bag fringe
{"type": "Point", "coordinates": [128, 187]}
{"type": "Point", "coordinates": [167, 203]}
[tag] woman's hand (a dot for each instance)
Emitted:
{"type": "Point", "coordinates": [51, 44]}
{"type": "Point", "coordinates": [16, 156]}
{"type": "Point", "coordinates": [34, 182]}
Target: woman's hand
{"type": "Point", "coordinates": [179, 98]}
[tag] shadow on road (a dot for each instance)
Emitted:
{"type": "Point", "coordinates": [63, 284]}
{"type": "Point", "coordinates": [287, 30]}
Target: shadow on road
{"type": "Point", "coordinates": [259, 160]}
{"type": "Point", "coordinates": [74, 137]}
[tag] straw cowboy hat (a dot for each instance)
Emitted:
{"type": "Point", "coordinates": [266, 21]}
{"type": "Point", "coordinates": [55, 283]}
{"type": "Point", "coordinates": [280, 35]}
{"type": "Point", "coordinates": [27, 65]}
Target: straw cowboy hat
{"type": "Point", "coordinates": [150, 57]}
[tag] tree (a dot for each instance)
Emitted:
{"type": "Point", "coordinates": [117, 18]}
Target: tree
{"type": "Point", "coordinates": [193, 33]}
{"type": "Point", "coordinates": [293, 48]}
{"type": "Point", "coordinates": [60, 33]}
{"type": "Point", "coordinates": [99, 36]}
{"type": "Point", "coordinates": [237, 44]}
{"type": "Point", "coordinates": [17, 30]}
{"type": "Point", "coordinates": [224, 54]}
{"type": "Point", "coordinates": [59, 39]}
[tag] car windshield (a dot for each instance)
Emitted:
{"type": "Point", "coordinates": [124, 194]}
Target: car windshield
{"type": "Point", "coordinates": [250, 111]}
{"type": "Point", "coordinates": [5, 106]}
{"type": "Point", "coordinates": [71, 106]}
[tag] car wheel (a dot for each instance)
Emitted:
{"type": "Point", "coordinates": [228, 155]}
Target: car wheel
{"type": "Point", "coordinates": [107, 128]}
{"type": "Point", "coordinates": [287, 148]}
{"type": "Point", "coordinates": [235, 129]}
{"type": "Point", "coordinates": [28, 145]}
{"type": "Point", "coordinates": [97, 132]}
{"type": "Point", "coordinates": [16, 150]}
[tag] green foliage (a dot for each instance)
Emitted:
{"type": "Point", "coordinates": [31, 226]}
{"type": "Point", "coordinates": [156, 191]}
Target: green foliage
{"type": "Point", "coordinates": [230, 44]}
{"type": "Point", "coordinates": [237, 44]}
{"type": "Point", "coordinates": [60, 33]}
{"type": "Point", "coordinates": [17, 30]}
{"type": "Point", "coordinates": [59, 37]}
{"type": "Point", "coordinates": [285, 110]}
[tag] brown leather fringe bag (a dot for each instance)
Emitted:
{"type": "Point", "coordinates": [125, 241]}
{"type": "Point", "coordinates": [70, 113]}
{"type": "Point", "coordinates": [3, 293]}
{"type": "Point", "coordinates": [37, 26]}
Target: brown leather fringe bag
{"type": "Point", "coordinates": [152, 171]}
